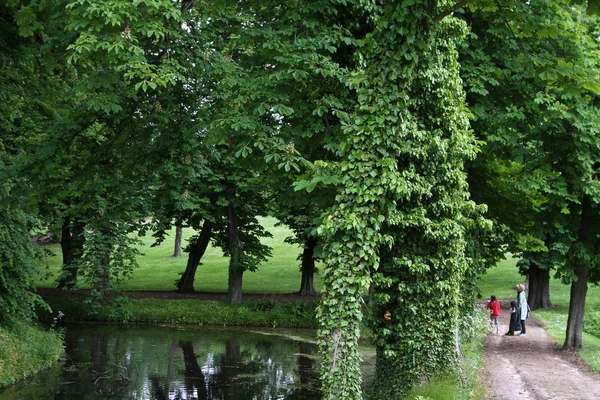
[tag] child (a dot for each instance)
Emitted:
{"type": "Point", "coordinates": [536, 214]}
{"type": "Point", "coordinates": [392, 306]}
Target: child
{"type": "Point", "coordinates": [494, 305]}
{"type": "Point", "coordinates": [514, 324]}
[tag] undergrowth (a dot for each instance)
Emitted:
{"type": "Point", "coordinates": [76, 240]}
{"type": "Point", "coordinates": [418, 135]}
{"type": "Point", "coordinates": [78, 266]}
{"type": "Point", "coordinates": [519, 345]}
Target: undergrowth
{"type": "Point", "coordinates": [260, 313]}
{"type": "Point", "coordinates": [26, 349]}
{"type": "Point", "coordinates": [464, 383]}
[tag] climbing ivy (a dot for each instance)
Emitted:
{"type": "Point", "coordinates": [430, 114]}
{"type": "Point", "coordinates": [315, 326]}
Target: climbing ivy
{"type": "Point", "coordinates": [400, 206]}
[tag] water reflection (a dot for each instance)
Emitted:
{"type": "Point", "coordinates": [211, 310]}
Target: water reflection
{"type": "Point", "coordinates": [134, 363]}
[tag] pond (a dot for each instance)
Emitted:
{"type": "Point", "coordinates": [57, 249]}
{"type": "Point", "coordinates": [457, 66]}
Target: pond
{"type": "Point", "coordinates": [177, 363]}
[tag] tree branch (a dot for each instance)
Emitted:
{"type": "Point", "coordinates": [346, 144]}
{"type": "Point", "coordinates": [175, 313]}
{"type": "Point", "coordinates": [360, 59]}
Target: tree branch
{"type": "Point", "coordinates": [455, 7]}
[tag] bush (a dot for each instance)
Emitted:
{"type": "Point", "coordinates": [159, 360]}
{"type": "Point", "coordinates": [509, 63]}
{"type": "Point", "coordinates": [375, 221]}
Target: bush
{"type": "Point", "coordinates": [591, 323]}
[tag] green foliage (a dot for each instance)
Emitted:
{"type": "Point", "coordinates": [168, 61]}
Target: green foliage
{"type": "Point", "coordinates": [465, 382]}
{"type": "Point", "coordinates": [194, 312]}
{"type": "Point", "coordinates": [591, 324]}
{"type": "Point", "coordinates": [17, 265]}
{"type": "Point", "coordinates": [401, 205]}
{"type": "Point", "coordinates": [26, 349]}
{"type": "Point", "coordinates": [533, 87]}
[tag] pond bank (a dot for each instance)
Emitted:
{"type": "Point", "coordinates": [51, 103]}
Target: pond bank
{"type": "Point", "coordinates": [26, 349]}
{"type": "Point", "coordinates": [174, 308]}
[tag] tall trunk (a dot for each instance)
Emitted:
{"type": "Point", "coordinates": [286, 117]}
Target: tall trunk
{"type": "Point", "coordinates": [197, 249]}
{"type": "Point", "coordinates": [102, 278]}
{"type": "Point", "coordinates": [178, 234]}
{"type": "Point", "coordinates": [236, 270]}
{"type": "Point", "coordinates": [579, 288]}
{"type": "Point", "coordinates": [71, 243]}
{"type": "Point", "coordinates": [307, 287]}
{"type": "Point", "coordinates": [539, 287]}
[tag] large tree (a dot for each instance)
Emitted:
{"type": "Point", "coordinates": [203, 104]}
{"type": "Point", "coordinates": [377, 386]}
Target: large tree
{"type": "Point", "coordinates": [401, 199]}
{"type": "Point", "coordinates": [531, 70]}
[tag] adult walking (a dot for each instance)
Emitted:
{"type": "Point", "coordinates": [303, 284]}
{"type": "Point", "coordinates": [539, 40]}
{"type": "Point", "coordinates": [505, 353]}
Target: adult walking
{"type": "Point", "coordinates": [523, 307]}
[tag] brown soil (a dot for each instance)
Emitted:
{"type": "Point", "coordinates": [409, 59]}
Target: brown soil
{"type": "Point", "coordinates": [279, 297]}
{"type": "Point", "coordinates": [534, 367]}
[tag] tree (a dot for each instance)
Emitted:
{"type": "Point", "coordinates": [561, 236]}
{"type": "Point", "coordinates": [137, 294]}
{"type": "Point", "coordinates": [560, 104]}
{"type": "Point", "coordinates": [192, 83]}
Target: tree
{"type": "Point", "coordinates": [539, 113]}
{"type": "Point", "coordinates": [25, 107]}
{"type": "Point", "coordinates": [407, 195]}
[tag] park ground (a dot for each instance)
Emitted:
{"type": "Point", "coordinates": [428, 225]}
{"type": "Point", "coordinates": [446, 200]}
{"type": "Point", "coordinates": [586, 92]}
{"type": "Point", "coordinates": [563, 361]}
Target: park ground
{"type": "Point", "coordinates": [533, 367]}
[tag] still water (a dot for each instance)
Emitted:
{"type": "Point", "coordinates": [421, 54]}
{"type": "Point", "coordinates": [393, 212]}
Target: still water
{"type": "Point", "coordinates": [177, 363]}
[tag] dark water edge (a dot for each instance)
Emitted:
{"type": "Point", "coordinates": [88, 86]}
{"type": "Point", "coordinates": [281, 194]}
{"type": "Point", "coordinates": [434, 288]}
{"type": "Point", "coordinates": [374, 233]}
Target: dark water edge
{"type": "Point", "coordinates": [177, 363]}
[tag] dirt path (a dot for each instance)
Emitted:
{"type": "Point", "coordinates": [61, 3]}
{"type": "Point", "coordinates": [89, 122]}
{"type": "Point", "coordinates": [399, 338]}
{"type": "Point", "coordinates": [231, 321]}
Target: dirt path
{"type": "Point", "coordinates": [533, 367]}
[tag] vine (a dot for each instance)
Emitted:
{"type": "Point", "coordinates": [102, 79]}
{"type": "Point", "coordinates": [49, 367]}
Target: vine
{"type": "Point", "coordinates": [399, 209]}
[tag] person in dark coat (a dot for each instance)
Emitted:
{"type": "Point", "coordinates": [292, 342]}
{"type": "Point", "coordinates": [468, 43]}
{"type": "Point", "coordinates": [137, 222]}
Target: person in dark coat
{"type": "Point", "coordinates": [515, 322]}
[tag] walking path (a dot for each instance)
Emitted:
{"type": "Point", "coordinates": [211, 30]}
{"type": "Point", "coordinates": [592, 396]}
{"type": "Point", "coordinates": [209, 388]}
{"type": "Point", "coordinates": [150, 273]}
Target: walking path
{"type": "Point", "coordinates": [533, 367]}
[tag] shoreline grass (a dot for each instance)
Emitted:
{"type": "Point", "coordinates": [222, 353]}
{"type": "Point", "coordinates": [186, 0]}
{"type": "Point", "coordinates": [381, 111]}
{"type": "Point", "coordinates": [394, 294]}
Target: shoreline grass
{"type": "Point", "coordinates": [25, 350]}
{"type": "Point", "coordinates": [257, 313]}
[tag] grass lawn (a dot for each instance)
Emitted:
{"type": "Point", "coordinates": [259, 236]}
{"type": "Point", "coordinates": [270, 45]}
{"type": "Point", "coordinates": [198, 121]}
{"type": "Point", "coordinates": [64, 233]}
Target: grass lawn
{"type": "Point", "coordinates": [159, 270]}
{"type": "Point", "coordinates": [501, 280]}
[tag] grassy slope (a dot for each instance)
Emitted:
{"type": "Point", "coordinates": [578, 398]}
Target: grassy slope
{"type": "Point", "coordinates": [501, 280]}
{"type": "Point", "coordinates": [26, 349]}
{"type": "Point", "coordinates": [159, 270]}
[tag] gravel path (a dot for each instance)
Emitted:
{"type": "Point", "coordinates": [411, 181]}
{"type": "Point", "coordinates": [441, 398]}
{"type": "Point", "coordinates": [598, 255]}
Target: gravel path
{"type": "Point", "coordinates": [533, 367]}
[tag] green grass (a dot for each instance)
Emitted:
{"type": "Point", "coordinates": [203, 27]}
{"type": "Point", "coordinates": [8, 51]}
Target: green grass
{"type": "Point", "coordinates": [159, 270]}
{"type": "Point", "coordinates": [259, 313]}
{"type": "Point", "coordinates": [26, 349]}
{"type": "Point", "coordinates": [501, 280]}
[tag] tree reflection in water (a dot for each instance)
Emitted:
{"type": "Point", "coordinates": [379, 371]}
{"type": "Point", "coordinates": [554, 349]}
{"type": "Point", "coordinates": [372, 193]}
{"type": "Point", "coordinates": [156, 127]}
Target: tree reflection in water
{"type": "Point", "coordinates": [139, 363]}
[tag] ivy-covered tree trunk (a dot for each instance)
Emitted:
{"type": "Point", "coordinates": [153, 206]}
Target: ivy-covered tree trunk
{"type": "Point", "coordinates": [307, 287]}
{"type": "Point", "coordinates": [403, 189]}
{"type": "Point", "coordinates": [178, 235]}
{"type": "Point", "coordinates": [197, 249]}
{"type": "Point", "coordinates": [236, 247]}
{"type": "Point", "coordinates": [579, 287]}
{"type": "Point", "coordinates": [539, 287]}
{"type": "Point", "coordinates": [72, 241]}
{"type": "Point", "coordinates": [416, 314]}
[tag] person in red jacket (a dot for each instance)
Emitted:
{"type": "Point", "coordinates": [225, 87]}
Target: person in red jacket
{"type": "Point", "coordinates": [494, 305]}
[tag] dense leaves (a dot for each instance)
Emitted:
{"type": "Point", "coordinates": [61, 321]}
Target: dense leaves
{"type": "Point", "coordinates": [346, 119]}
{"type": "Point", "coordinates": [531, 71]}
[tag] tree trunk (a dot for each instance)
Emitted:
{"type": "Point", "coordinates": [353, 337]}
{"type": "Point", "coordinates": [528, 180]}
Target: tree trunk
{"type": "Point", "coordinates": [236, 270]}
{"type": "Point", "coordinates": [197, 249]}
{"type": "Point", "coordinates": [234, 289]}
{"type": "Point", "coordinates": [102, 278]}
{"type": "Point", "coordinates": [307, 287]}
{"type": "Point", "coordinates": [178, 235]}
{"type": "Point", "coordinates": [579, 288]}
{"type": "Point", "coordinates": [539, 287]}
{"type": "Point", "coordinates": [71, 243]}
